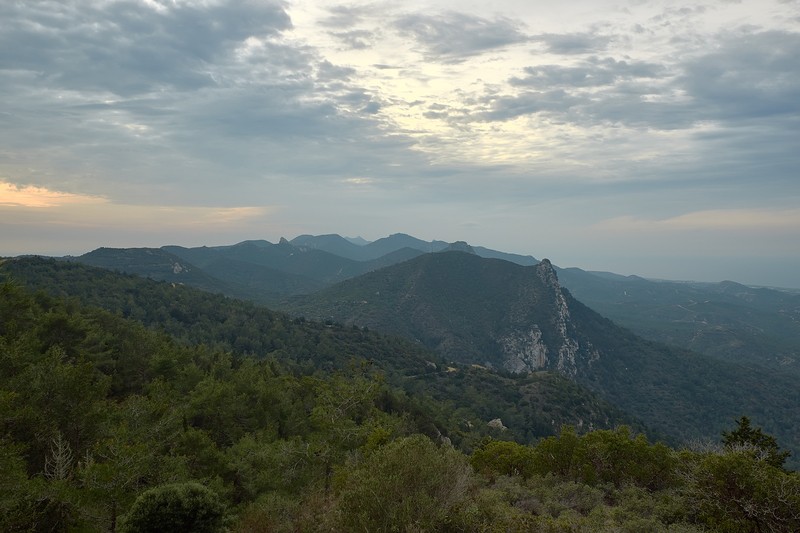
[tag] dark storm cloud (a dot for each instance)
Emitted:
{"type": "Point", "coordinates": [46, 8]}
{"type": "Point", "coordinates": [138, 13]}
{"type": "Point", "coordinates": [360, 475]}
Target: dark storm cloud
{"type": "Point", "coordinates": [453, 36]}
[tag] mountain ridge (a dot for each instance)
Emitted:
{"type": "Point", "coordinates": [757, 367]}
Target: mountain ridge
{"type": "Point", "coordinates": [486, 311]}
{"type": "Point", "coordinates": [753, 326]}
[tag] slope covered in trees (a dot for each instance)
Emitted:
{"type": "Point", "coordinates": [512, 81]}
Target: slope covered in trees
{"type": "Point", "coordinates": [529, 406]}
{"type": "Point", "coordinates": [475, 310]}
{"type": "Point", "coordinates": [106, 425]}
{"type": "Point", "coordinates": [757, 327]}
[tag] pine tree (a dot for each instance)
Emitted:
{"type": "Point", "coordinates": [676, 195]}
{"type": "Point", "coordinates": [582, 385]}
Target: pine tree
{"type": "Point", "coordinates": [765, 445]}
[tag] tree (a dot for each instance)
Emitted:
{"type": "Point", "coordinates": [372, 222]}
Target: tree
{"type": "Point", "coordinates": [745, 436]}
{"type": "Point", "coordinates": [506, 458]}
{"type": "Point", "coordinates": [410, 484]}
{"type": "Point", "coordinates": [735, 491]}
{"type": "Point", "coordinates": [177, 507]}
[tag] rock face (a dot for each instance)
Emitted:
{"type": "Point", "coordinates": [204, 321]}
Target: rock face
{"type": "Point", "coordinates": [526, 349]}
{"type": "Point", "coordinates": [470, 309]}
{"type": "Point", "coordinates": [496, 424]}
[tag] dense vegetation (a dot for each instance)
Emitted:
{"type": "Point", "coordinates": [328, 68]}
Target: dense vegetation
{"type": "Point", "coordinates": [462, 305]}
{"type": "Point", "coordinates": [757, 327]}
{"type": "Point", "coordinates": [754, 327]}
{"type": "Point", "coordinates": [106, 425]}
{"type": "Point", "coordinates": [530, 406]}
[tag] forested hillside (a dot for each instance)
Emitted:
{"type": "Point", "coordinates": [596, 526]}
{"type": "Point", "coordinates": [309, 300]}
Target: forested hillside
{"type": "Point", "coordinates": [477, 310]}
{"type": "Point", "coordinates": [757, 327]}
{"type": "Point", "coordinates": [106, 425]}
{"type": "Point", "coordinates": [529, 406]}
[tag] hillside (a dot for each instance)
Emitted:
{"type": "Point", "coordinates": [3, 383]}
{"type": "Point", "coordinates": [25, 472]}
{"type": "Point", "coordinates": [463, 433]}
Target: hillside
{"type": "Point", "coordinates": [475, 310]}
{"type": "Point", "coordinates": [108, 426]}
{"type": "Point", "coordinates": [729, 321]}
{"type": "Point", "coordinates": [748, 326]}
{"type": "Point", "coordinates": [529, 406]}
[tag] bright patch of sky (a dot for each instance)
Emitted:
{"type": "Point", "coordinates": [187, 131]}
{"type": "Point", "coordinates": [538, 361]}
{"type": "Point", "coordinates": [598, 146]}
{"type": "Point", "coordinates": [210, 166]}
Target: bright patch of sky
{"type": "Point", "coordinates": [656, 138]}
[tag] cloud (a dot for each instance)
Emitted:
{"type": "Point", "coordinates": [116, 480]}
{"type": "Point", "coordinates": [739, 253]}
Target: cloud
{"type": "Point", "coordinates": [573, 43]}
{"type": "Point", "coordinates": [127, 48]}
{"type": "Point", "coordinates": [400, 112]}
{"type": "Point", "coordinates": [356, 39]}
{"type": "Point", "coordinates": [142, 103]}
{"type": "Point", "coordinates": [592, 72]}
{"type": "Point", "coordinates": [345, 16]}
{"type": "Point", "coordinates": [530, 102]}
{"type": "Point", "coordinates": [749, 75]}
{"type": "Point", "coordinates": [740, 220]}
{"type": "Point", "coordinates": [80, 209]}
{"type": "Point", "coordinates": [453, 36]}
{"type": "Point", "coordinates": [39, 197]}
{"type": "Point", "coordinates": [747, 78]}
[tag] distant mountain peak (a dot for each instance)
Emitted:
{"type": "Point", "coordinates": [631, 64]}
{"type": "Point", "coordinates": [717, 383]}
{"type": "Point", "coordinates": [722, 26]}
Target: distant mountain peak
{"type": "Point", "coordinates": [460, 246]}
{"type": "Point", "coordinates": [358, 241]}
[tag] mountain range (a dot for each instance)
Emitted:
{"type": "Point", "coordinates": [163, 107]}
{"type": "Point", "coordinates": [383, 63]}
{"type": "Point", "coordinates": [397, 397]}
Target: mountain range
{"type": "Point", "coordinates": [750, 326]}
{"type": "Point", "coordinates": [510, 313]}
{"type": "Point", "coordinates": [519, 319]}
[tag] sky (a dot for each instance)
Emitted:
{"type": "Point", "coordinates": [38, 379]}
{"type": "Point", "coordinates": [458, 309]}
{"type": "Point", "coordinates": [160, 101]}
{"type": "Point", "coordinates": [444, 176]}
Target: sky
{"type": "Point", "coordinates": [657, 138]}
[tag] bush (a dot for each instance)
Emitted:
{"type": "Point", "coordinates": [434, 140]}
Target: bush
{"type": "Point", "coordinates": [178, 507]}
{"type": "Point", "coordinates": [505, 458]}
{"type": "Point", "coordinates": [410, 483]}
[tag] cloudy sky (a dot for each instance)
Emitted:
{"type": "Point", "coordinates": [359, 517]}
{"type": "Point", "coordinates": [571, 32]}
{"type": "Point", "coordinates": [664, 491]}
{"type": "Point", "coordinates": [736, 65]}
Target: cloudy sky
{"type": "Point", "coordinates": [659, 138]}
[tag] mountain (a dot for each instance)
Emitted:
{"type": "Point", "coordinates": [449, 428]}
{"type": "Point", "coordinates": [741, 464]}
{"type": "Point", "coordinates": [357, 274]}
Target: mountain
{"type": "Point", "coordinates": [401, 240]}
{"type": "Point", "coordinates": [153, 263]}
{"type": "Point", "coordinates": [334, 244]}
{"type": "Point", "coordinates": [361, 250]}
{"type": "Point", "coordinates": [524, 260]}
{"type": "Point", "coordinates": [530, 406]}
{"type": "Point", "coordinates": [268, 273]}
{"type": "Point", "coordinates": [495, 313]}
{"type": "Point", "coordinates": [751, 326]}
{"type": "Point", "coordinates": [358, 240]}
{"type": "Point", "coordinates": [467, 308]}
{"type": "Point", "coordinates": [259, 271]}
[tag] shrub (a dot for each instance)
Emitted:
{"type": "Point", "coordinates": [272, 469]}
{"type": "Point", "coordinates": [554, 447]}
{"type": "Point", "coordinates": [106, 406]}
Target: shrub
{"type": "Point", "coordinates": [178, 507]}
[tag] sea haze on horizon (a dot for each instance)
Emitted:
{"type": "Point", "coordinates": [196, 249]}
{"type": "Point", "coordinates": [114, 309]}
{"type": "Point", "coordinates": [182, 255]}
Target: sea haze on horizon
{"type": "Point", "coordinates": [650, 138]}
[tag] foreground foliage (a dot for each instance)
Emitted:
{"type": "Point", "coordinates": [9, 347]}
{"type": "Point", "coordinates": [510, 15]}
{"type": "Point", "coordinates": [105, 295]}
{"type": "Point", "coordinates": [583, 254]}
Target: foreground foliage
{"type": "Point", "coordinates": [106, 425]}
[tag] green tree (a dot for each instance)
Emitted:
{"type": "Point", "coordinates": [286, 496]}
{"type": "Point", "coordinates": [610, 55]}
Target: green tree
{"type": "Point", "coordinates": [765, 445]}
{"type": "Point", "coordinates": [411, 484]}
{"type": "Point", "coordinates": [735, 491]}
{"type": "Point", "coordinates": [178, 507]}
{"type": "Point", "coordinates": [503, 457]}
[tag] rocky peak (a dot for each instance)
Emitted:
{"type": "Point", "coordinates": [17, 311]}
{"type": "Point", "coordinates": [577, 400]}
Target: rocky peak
{"type": "Point", "coordinates": [547, 273]}
{"type": "Point", "coordinates": [528, 347]}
